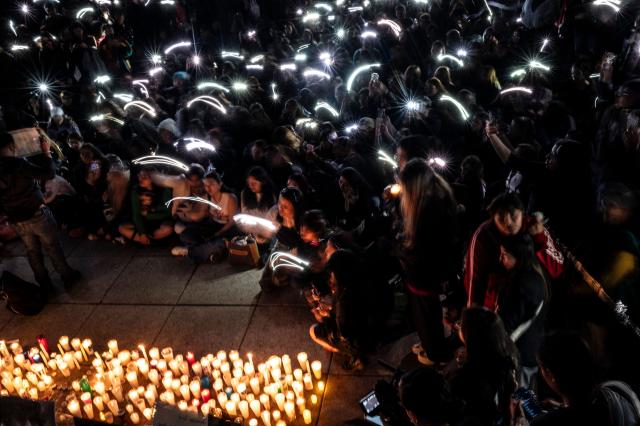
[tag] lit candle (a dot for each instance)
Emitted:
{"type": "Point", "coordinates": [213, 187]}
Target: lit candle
{"type": "Point", "coordinates": [298, 374]}
{"type": "Point", "coordinates": [249, 369]}
{"type": "Point", "coordinates": [99, 403]}
{"type": "Point", "coordinates": [301, 403]}
{"type": "Point", "coordinates": [255, 407]}
{"type": "Point", "coordinates": [88, 405]}
{"type": "Point", "coordinates": [183, 405]}
{"type": "Point", "coordinates": [150, 397]}
{"type": "Point", "coordinates": [253, 422]}
{"type": "Point", "coordinates": [222, 356]}
{"type": "Point", "coordinates": [222, 398]}
{"type": "Point", "coordinates": [133, 396]}
{"type": "Point", "coordinates": [143, 366]}
{"type": "Point", "coordinates": [154, 353]}
{"type": "Point", "coordinates": [264, 400]}
{"type": "Point", "coordinates": [233, 355]}
{"type": "Point", "coordinates": [191, 359]}
{"type": "Point", "coordinates": [286, 364]}
{"type": "Point", "coordinates": [195, 388]}
{"type": "Point", "coordinates": [154, 377]}
{"type": "Point", "coordinates": [64, 368]}
{"type": "Point", "coordinates": [308, 383]}
{"type": "Point", "coordinates": [169, 398]}
{"type": "Point", "coordinates": [33, 393]}
{"type": "Point", "coordinates": [276, 373]}
{"type": "Point", "coordinates": [250, 357]}
{"type": "Point", "coordinates": [124, 357]}
{"type": "Point", "coordinates": [112, 404]}
{"type": "Point", "coordinates": [184, 391]}
{"type": "Point", "coordinates": [254, 382]}
{"type": "Point", "coordinates": [135, 418]}
{"type": "Point", "coordinates": [132, 378]}
{"type": "Point", "coordinates": [64, 342]}
{"type": "Point", "coordinates": [243, 406]}
{"type": "Point", "coordinates": [197, 369]}
{"type": "Point", "coordinates": [314, 399]}
{"type": "Point", "coordinates": [280, 401]}
{"type": "Point", "coordinates": [116, 390]}
{"type": "Point", "coordinates": [205, 409]}
{"type": "Point", "coordinates": [275, 415]}
{"type": "Point", "coordinates": [113, 347]}
{"type": "Point", "coordinates": [290, 410]}
{"type": "Point", "coordinates": [266, 417]}
{"type": "Point", "coordinates": [320, 386]}
{"type": "Point", "coordinates": [230, 406]}
{"type": "Point", "coordinates": [302, 359]}
{"type": "Point", "coordinates": [167, 354]}
{"type": "Point", "coordinates": [87, 344]}
{"type": "Point", "coordinates": [147, 413]}
{"type": "Point", "coordinates": [306, 415]}
{"type": "Point", "coordinates": [74, 408]}
{"type": "Point", "coordinates": [316, 367]}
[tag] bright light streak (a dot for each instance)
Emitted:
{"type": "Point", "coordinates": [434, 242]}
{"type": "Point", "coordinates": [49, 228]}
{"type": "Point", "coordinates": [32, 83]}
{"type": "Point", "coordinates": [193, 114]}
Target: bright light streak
{"type": "Point", "coordinates": [438, 162]}
{"type": "Point", "coordinates": [274, 94]}
{"type": "Point", "coordinates": [300, 57]}
{"type": "Point", "coordinates": [24, 9]}
{"type": "Point", "coordinates": [251, 33]}
{"type": "Point", "coordinates": [178, 45]}
{"type": "Point", "coordinates": [83, 12]}
{"type": "Point", "coordinates": [143, 106]}
{"type": "Point", "coordinates": [43, 87]}
{"type": "Point", "coordinates": [195, 59]}
{"type": "Point", "coordinates": [280, 259]}
{"type": "Point", "coordinates": [462, 53]}
{"type": "Point", "coordinates": [143, 88]}
{"type": "Point", "coordinates": [393, 25]}
{"type": "Point", "coordinates": [613, 5]}
{"type": "Point", "coordinates": [517, 89]}
{"type": "Point", "coordinates": [441, 57]}
{"type": "Point", "coordinates": [18, 47]}
{"type": "Point", "coordinates": [126, 97]}
{"type": "Point", "coordinates": [463, 112]}
{"type": "Point", "coordinates": [326, 58]}
{"type": "Point", "coordinates": [357, 71]}
{"type": "Point", "coordinates": [299, 12]}
{"type": "Point", "coordinates": [256, 58]}
{"type": "Point", "coordinates": [154, 71]}
{"type": "Point", "coordinates": [194, 199]}
{"type": "Point", "coordinates": [209, 100]}
{"type": "Point", "coordinates": [156, 59]}
{"type": "Point", "coordinates": [323, 6]}
{"type": "Point", "coordinates": [383, 156]}
{"type": "Point", "coordinates": [169, 2]}
{"type": "Point", "coordinates": [288, 67]}
{"type": "Point", "coordinates": [351, 128]}
{"type": "Point", "coordinates": [161, 159]}
{"type": "Point", "coordinates": [13, 28]}
{"type": "Point", "coordinates": [100, 97]}
{"type": "Point", "coordinates": [422, 1]}
{"type": "Point", "coordinates": [489, 9]}
{"type": "Point", "coordinates": [198, 144]}
{"type": "Point", "coordinates": [324, 105]}
{"type": "Point", "coordinates": [331, 18]}
{"type": "Point", "coordinates": [101, 117]}
{"type": "Point", "coordinates": [102, 79]}
{"type": "Point", "coordinates": [212, 85]}
{"type": "Point", "coordinates": [518, 73]}
{"type": "Point", "coordinates": [544, 44]}
{"type": "Point", "coordinates": [233, 55]}
{"type": "Point", "coordinates": [255, 67]}
{"type": "Point", "coordinates": [312, 72]}
{"type": "Point", "coordinates": [240, 86]}
{"type": "Point", "coordinates": [311, 17]}
{"type": "Point", "coordinates": [341, 33]}
{"type": "Point", "coordinates": [369, 34]}
{"type": "Point", "coordinates": [355, 9]}
{"type": "Point", "coordinates": [412, 105]}
{"type": "Point", "coordinates": [245, 219]}
{"type": "Point", "coordinates": [596, 75]}
{"type": "Point", "coordinates": [535, 64]}
{"type": "Point", "coordinates": [302, 47]}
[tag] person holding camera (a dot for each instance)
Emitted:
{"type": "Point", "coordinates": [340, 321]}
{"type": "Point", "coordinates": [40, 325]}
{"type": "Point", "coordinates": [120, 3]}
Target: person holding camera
{"type": "Point", "coordinates": [22, 201]}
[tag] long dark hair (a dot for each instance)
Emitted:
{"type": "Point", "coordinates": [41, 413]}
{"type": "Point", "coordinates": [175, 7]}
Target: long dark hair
{"type": "Point", "coordinates": [249, 199]}
{"type": "Point", "coordinates": [213, 175]}
{"type": "Point", "coordinates": [295, 197]}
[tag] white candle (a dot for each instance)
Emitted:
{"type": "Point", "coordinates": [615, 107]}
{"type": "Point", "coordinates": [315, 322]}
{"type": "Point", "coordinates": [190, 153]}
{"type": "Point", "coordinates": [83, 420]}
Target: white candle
{"type": "Point", "coordinates": [113, 406]}
{"type": "Point", "coordinates": [266, 417]}
{"type": "Point", "coordinates": [74, 408]}
{"type": "Point", "coordinates": [147, 413]}
{"type": "Point", "coordinates": [275, 415]}
{"type": "Point", "coordinates": [98, 403]}
{"type": "Point", "coordinates": [254, 382]}
{"type": "Point", "coordinates": [133, 396]}
{"type": "Point", "coordinates": [132, 378]}
{"type": "Point", "coordinates": [279, 398]}
{"type": "Point", "coordinates": [154, 353]}
{"type": "Point", "coordinates": [316, 367]}
{"type": "Point", "coordinates": [143, 366]}
{"type": "Point", "coordinates": [184, 391]}
{"type": "Point", "coordinates": [87, 344]}
{"type": "Point", "coordinates": [64, 342]}
{"type": "Point", "coordinates": [195, 388]}
{"type": "Point", "coordinates": [243, 406]}
{"type": "Point", "coordinates": [135, 418]}
{"type": "Point", "coordinates": [301, 403]}
{"type": "Point", "coordinates": [113, 347]}
{"type": "Point", "coordinates": [248, 369]}
{"type": "Point", "coordinates": [320, 386]}
{"type": "Point", "coordinates": [308, 383]}
{"type": "Point", "coordinates": [286, 364]}
{"type": "Point", "coordinates": [170, 398]}
{"type": "Point", "coordinates": [230, 406]}
{"type": "Point", "coordinates": [150, 397]}
{"type": "Point", "coordinates": [197, 369]}
{"type": "Point", "coordinates": [298, 374]}
{"type": "Point", "coordinates": [302, 359]}
{"type": "Point", "coordinates": [33, 393]}
{"type": "Point", "coordinates": [167, 354]}
{"type": "Point", "coordinates": [314, 399]}
{"type": "Point", "coordinates": [255, 407]}
{"type": "Point", "coordinates": [154, 377]}
{"type": "Point", "coordinates": [253, 422]}
{"type": "Point", "coordinates": [222, 398]}
{"type": "Point", "coordinates": [290, 410]}
{"type": "Point", "coordinates": [116, 390]}
{"type": "Point", "coordinates": [264, 400]}
{"type": "Point", "coordinates": [306, 415]}
{"type": "Point", "coordinates": [64, 368]}
{"type": "Point", "coordinates": [88, 409]}
{"type": "Point", "coordinates": [276, 373]}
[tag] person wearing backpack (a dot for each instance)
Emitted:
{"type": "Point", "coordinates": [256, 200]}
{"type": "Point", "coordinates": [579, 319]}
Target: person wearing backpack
{"type": "Point", "coordinates": [568, 367]}
{"type": "Point", "coordinates": [21, 200]}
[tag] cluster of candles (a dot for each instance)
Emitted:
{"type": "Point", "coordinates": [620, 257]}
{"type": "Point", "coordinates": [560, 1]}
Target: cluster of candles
{"type": "Point", "coordinates": [127, 383]}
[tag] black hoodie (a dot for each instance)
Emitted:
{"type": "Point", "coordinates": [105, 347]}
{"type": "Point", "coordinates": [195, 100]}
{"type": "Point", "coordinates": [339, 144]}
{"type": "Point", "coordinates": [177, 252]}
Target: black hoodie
{"type": "Point", "coordinates": [20, 193]}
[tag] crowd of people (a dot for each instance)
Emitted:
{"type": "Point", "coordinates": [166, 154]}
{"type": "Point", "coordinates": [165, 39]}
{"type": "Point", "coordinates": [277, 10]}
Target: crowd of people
{"type": "Point", "coordinates": [464, 168]}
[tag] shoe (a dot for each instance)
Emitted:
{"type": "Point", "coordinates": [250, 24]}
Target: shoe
{"type": "Point", "coordinates": [315, 331]}
{"type": "Point", "coordinates": [424, 359]}
{"type": "Point", "coordinates": [71, 278]}
{"type": "Point", "coordinates": [417, 348]}
{"type": "Point", "coordinates": [353, 364]}
{"type": "Point", "coordinates": [179, 251]}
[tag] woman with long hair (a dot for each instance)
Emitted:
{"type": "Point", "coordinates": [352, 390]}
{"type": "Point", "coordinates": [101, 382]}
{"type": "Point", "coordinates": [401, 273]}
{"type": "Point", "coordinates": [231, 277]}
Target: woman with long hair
{"type": "Point", "coordinates": [487, 377]}
{"type": "Point", "coordinates": [258, 196]}
{"type": "Point", "coordinates": [427, 252]}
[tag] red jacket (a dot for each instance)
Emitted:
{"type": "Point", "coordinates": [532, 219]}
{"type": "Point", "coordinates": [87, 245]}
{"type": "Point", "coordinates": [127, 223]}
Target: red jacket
{"type": "Point", "coordinates": [483, 274]}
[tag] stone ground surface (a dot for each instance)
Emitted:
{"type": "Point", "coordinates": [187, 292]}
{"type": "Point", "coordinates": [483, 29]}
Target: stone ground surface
{"type": "Point", "coordinates": [144, 295]}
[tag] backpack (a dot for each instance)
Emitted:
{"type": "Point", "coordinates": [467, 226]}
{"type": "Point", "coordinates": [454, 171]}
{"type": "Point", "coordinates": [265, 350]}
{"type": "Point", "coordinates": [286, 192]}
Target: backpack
{"type": "Point", "coordinates": [622, 403]}
{"type": "Point", "coordinates": [23, 297]}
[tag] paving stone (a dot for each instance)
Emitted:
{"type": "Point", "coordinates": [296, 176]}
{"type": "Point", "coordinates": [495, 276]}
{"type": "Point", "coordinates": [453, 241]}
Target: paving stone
{"type": "Point", "coordinates": [285, 296]}
{"type": "Point", "coordinates": [54, 321]}
{"type": "Point", "coordinates": [98, 274]}
{"type": "Point", "coordinates": [131, 325]}
{"type": "Point", "coordinates": [204, 329]}
{"type": "Point", "coordinates": [86, 248]}
{"type": "Point", "coordinates": [151, 280]}
{"type": "Point", "coordinates": [279, 330]}
{"type": "Point", "coordinates": [222, 284]}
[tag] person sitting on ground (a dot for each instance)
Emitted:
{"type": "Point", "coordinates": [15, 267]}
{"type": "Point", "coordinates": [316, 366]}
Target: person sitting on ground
{"type": "Point", "coordinates": [151, 218]}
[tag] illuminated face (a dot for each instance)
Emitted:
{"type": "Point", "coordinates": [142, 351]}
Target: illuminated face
{"type": "Point", "coordinates": [86, 156]}
{"type": "Point", "coordinates": [212, 186]}
{"type": "Point", "coordinates": [194, 182]}
{"type": "Point", "coordinates": [254, 185]}
{"type": "Point", "coordinates": [307, 235]}
{"type": "Point", "coordinates": [285, 208]}
{"type": "Point", "coordinates": [401, 158]}
{"type": "Point", "coordinates": [144, 179]}
{"type": "Point", "coordinates": [508, 224]}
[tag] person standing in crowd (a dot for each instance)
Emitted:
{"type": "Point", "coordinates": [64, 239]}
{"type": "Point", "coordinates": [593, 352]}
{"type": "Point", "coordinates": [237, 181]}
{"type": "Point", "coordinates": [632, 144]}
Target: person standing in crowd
{"type": "Point", "coordinates": [22, 201]}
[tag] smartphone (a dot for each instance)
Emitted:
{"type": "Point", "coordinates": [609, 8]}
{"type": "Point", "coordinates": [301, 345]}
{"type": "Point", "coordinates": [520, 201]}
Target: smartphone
{"type": "Point", "coordinates": [95, 166]}
{"type": "Point", "coordinates": [370, 403]}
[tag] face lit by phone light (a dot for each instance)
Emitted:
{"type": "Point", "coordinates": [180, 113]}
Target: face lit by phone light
{"type": "Point", "coordinates": [508, 223]}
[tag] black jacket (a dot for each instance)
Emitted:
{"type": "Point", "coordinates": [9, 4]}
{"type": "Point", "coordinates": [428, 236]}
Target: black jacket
{"type": "Point", "coordinates": [20, 194]}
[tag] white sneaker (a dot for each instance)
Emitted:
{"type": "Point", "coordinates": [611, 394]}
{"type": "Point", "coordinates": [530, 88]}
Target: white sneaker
{"type": "Point", "coordinates": [179, 251]}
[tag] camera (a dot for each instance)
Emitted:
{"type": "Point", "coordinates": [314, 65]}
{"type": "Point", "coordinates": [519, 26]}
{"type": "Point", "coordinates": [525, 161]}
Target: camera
{"type": "Point", "coordinates": [384, 402]}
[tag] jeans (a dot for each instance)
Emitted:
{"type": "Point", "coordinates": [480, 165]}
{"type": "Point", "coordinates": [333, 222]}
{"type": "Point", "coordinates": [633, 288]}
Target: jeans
{"type": "Point", "coordinates": [41, 233]}
{"type": "Point", "coordinates": [427, 317]}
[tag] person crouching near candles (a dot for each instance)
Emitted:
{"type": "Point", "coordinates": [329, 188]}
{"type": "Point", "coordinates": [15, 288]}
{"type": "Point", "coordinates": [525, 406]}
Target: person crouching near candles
{"type": "Point", "coordinates": [427, 399]}
{"type": "Point", "coordinates": [203, 241]}
{"type": "Point", "coordinates": [151, 218]}
{"type": "Point", "coordinates": [428, 253]}
{"type": "Point", "coordinates": [346, 327]}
